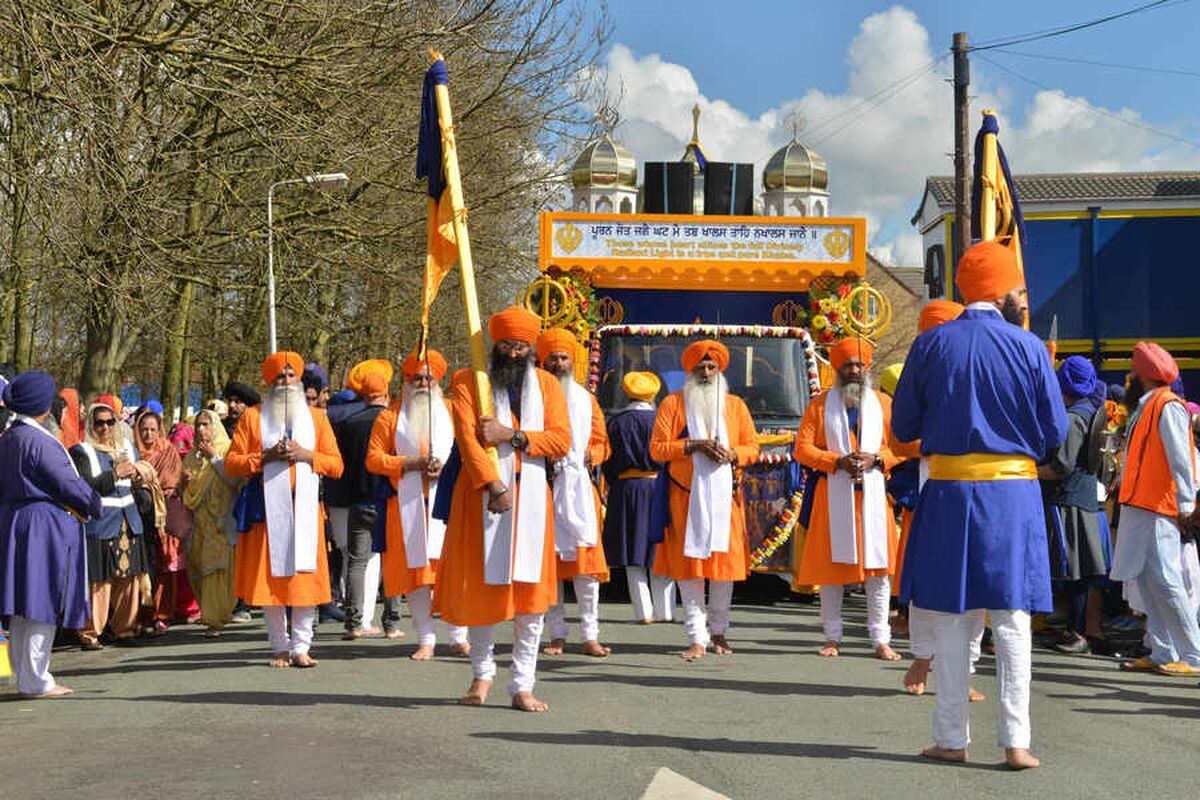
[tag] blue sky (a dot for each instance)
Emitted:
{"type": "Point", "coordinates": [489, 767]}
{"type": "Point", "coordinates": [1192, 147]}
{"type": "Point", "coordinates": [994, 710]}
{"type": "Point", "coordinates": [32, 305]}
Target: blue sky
{"type": "Point", "coordinates": [750, 64]}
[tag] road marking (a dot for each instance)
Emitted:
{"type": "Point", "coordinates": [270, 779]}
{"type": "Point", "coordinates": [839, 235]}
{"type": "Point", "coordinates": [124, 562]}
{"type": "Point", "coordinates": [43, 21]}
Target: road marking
{"type": "Point", "coordinates": [670, 785]}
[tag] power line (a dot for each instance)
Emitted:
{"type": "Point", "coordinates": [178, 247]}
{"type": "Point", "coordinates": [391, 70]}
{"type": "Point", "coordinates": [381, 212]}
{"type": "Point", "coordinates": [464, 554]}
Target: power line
{"type": "Point", "coordinates": [1047, 33]}
{"type": "Point", "coordinates": [1093, 109]}
{"type": "Point", "coordinates": [898, 88]}
{"type": "Point", "coordinates": [1134, 67]}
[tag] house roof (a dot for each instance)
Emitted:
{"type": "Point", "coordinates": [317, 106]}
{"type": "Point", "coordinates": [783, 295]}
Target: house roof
{"type": "Point", "coordinates": [1081, 186]}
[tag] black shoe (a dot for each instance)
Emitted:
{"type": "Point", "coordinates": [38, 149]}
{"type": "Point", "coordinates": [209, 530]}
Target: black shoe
{"type": "Point", "coordinates": [329, 612]}
{"type": "Point", "coordinates": [1074, 645]}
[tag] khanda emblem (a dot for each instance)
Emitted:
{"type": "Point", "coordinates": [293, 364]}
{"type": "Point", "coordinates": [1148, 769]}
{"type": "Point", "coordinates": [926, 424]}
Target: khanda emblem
{"type": "Point", "coordinates": [609, 311]}
{"type": "Point", "coordinates": [789, 313]}
{"type": "Point", "coordinates": [568, 237]}
{"type": "Point", "coordinates": [837, 242]}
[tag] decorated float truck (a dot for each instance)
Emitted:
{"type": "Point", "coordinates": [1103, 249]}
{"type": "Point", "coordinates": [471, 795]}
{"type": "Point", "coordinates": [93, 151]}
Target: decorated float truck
{"type": "Point", "coordinates": [638, 288]}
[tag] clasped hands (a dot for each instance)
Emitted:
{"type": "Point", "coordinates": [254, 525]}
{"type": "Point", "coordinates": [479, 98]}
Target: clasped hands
{"type": "Point", "coordinates": [711, 448]}
{"type": "Point", "coordinates": [430, 466]}
{"type": "Point", "coordinates": [857, 463]}
{"type": "Point", "coordinates": [287, 450]}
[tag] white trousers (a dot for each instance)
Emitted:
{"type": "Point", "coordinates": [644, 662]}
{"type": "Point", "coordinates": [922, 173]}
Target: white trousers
{"type": "Point", "coordinates": [879, 594]}
{"type": "Point", "coordinates": [587, 595]}
{"type": "Point", "coordinates": [953, 634]}
{"type": "Point", "coordinates": [29, 644]}
{"type": "Point", "coordinates": [1191, 575]}
{"type": "Point", "coordinates": [920, 633]}
{"type": "Point", "coordinates": [653, 595]}
{"type": "Point", "coordinates": [371, 580]}
{"type": "Point", "coordinates": [527, 634]}
{"type": "Point", "coordinates": [701, 621]}
{"type": "Point", "coordinates": [301, 636]}
{"type": "Point", "coordinates": [1172, 628]}
{"type": "Point", "coordinates": [420, 605]}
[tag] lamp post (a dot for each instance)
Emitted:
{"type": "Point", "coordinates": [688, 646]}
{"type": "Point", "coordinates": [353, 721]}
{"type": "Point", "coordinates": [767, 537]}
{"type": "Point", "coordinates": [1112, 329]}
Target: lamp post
{"type": "Point", "coordinates": [320, 182]}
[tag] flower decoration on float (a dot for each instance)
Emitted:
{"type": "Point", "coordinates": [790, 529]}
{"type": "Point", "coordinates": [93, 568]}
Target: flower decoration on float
{"type": "Point", "coordinates": [785, 525]}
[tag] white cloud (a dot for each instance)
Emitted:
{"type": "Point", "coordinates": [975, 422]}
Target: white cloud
{"type": "Point", "coordinates": [879, 155]}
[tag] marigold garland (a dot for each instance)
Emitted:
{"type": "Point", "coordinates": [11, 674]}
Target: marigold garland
{"type": "Point", "coordinates": [781, 532]}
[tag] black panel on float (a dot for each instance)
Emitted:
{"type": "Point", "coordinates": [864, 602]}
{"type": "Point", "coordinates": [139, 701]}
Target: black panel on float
{"type": "Point", "coordinates": [728, 189]}
{"type": "Point", "coordinates": [668, 187]}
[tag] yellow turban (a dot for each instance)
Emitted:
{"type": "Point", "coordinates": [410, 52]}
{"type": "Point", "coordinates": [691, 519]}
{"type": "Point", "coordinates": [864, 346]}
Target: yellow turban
{"type": "Point", "coordinates": [890, 378]}
{"type": "Point", "coordinates": [641, 386]}
{"type": "Point", "coordinates": [370, 378]}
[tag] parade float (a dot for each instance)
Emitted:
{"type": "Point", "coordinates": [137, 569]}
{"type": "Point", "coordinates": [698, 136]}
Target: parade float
{"type": "Point", "coordinates": [637, 287]}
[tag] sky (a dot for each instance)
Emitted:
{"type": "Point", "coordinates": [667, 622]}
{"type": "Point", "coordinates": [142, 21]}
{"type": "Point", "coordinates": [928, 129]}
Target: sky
{"type": "Point", "coordinates": [753, 65]}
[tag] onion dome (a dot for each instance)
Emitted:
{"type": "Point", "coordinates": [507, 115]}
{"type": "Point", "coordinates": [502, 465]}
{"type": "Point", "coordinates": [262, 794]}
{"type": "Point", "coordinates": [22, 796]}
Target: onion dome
{"type": "Point", "coordinates": [795, 166]}
{"type": "Point", "coordinates": [605, 162]}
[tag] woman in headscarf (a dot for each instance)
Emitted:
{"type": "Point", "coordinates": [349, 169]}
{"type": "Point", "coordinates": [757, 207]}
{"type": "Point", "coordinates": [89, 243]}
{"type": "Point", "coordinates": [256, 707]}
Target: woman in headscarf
{"type": "Point", "coordinates": [118, 555]}
{"type": "Point", "coordinates": [210, 493]}
{"type": "Point", "coordinates": [174, 526]}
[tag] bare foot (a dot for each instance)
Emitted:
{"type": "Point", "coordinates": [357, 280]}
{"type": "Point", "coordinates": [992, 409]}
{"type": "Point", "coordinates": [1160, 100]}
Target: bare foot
{"type": "Point", "coordinates": [395, 634]}
{"type": "Point", "coordinates": [525, 701]}
{"type": "Point", "coordinates": [974, 696]}
{"type": "Point", "coordinates": [645, 622]}
{"type": "Point", "coordinates": [693, 652]}
{"type": "Point", "coordinates": [423, 652]}
{"type": "Point", "coordinates": [594, 649]}
{"type": "Point", "coordinates": [351, 635]}
{"type": "Point", "coordinates": [212, 633]}
{"type": "Point", "coordinates": [1020, 758]}
{"type": "Point", "coordinates": [721, 646]}
{"type": "Point", "coordinates": [57, 690]}
{"type": "Point", "coordinates": [460, 649]}
{"type": "Point", "coordinates": [555, 648]}
{"type": "Point", "coordinates": [884, 652]}
{"type": "Point", "coordinates": [281, 660]}
{"type": "Point", "coordinates": [304, 661]}
{"type": "Point", "coordinates": [942, 754]}
{"type": "Point", "coordinates": [476, 694]}
{"type": "Point", "coordinates": [829, 649]}
{"type": "Point", "coordinates": [373, 631]}
{"type": "Point", "coordinates": [917, 676]}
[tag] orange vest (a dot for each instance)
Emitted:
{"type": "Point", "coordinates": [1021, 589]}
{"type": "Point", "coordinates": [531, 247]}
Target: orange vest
{"type": "Point", "coordinates": [1147, 482]}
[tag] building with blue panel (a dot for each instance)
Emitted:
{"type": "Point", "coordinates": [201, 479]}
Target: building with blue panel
{"type": "Point", "coordinates": [1110, 256]}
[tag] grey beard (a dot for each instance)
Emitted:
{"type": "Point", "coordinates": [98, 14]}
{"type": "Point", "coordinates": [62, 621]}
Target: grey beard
{"type": "Point", "coordinates": [852, 393]}
{"type": "Point", "coordinates": [416, 412]}
{"type": "Point", "coordinates": [285, 404]}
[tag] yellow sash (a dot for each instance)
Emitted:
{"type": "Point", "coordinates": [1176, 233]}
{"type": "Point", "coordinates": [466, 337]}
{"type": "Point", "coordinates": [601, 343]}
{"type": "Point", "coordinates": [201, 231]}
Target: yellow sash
{"type": "Point", "coordinates": [637, 473]}
{"type": "Point", "coordinates": [982, 467]}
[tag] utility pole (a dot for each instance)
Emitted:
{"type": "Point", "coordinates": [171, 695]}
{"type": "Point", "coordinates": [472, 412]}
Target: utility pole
{"type": "Point", "coordinates": [962, 172]}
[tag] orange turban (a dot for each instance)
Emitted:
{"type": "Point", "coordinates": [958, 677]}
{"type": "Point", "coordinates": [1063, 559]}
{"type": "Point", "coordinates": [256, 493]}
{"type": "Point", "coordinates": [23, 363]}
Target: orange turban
{"type": "Point", "coordinates": [853, 347]}
{"type": "Point", "coordinates": [370, 378]}
{"type": "Point", "coordinates": [515, 323]}
{"type": "Point", "coordinates": [433, 359]}
{"type": "Point", "coordinates": [695, 352]}
{"type": "Point", "coordinates": [275, 363]}
{"type": "Point", "coordinates": [556, 340]}
{"type": "Point", "coordinates": [988, 271]}
{"type": "Point", "coordinates": [112, 401]}
{"type": "Point", "coordinates": [1152, 363]}
{"type": "Point", "coordinates": [936, 312]}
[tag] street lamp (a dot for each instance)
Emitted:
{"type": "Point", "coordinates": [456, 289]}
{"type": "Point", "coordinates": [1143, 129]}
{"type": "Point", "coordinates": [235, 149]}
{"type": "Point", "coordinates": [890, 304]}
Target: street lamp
{"type": "Point", "coordinates": [322, 182]}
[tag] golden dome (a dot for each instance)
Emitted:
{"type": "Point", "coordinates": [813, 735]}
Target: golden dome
{"type": "Point", "coordinates": [795, 166]}
{"type": "Point", "coordinates": [605, 163]}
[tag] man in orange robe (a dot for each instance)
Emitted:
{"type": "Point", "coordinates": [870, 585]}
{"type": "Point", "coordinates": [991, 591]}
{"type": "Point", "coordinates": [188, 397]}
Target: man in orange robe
{"type": "Point", "coordinates": [409, 446]}
{"type": "Point", "coordinates": [283, 446]}
{"type": "Point", "coordinates": [845, 438]}
{"type": "Point", "coordinates": [498, 560]}
{"type": "Point", "coordinates": [702, 433]}
{"type": "Point", "coordinates": [577, 516]}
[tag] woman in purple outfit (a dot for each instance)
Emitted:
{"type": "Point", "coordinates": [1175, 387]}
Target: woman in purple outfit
{"type": "Point", "coordinates": [43, 565]}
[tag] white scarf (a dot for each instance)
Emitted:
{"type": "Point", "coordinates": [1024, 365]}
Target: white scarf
{"type": "Point", "coordinates": [710, 503]}
{"type": "Point", "coordinates": [423, 534]}
{"type": "Point", "coordinates": [513, 553]}
{"type": "Point", "coordinates": [842, 523]}
{"type": "Point", "coordinates": [291, 522]}
{"type": "Point", "coordinates": [575, 522]}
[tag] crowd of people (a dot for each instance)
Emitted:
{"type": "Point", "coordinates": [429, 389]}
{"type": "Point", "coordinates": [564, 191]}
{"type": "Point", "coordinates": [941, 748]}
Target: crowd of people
{"type": "Point", "coordinates": [975, 492]}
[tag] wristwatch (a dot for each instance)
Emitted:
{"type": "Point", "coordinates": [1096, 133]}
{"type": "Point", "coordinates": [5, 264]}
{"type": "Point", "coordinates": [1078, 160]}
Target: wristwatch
{"type": "Point", "coordinates": [518, 440]}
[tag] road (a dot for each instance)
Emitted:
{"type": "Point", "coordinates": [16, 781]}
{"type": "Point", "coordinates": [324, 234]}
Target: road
{"type": "Point", "coordinates": [191, 717]}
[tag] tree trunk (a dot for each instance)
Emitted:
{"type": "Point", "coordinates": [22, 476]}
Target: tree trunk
{"type": "Point", "coordinates": [174, 377]}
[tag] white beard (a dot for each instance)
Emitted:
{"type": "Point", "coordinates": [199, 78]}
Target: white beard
{"type": "Point", "coordinates": [284, 404]}
{"type": "Point", "coordinates": [702, 398]}
{"type": "Point", "coordinates": [566, 381]}
{"type": "Point", "coordinates": [416, 412]}
{"type": "Point", "coordinates": [852, 393]}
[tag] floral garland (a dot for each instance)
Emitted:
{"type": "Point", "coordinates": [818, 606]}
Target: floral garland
{"type": "Point", "coordinates": [782, 531]}
{"type": "Point", "coordinates": [824, 317]}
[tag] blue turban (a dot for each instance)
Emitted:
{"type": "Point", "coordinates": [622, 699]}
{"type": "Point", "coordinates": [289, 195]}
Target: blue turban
{"type": "Point", "coordinates": [341, 397]}
{"type": "Point", "coordinates": [30, 393]}
{"type": "Point", "coordinates": [154, 406]}
{"type": "Point", "coordinates": [1077, 378]}
{"type": "Point", "coordinates": [1177, 386]}
{"type": "Point", "coordinates": [314, 377]}
{"type": "Point", "coordinates": [1116, 392]}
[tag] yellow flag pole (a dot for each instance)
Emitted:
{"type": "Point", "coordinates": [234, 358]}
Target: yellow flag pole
{"type": "Point", "coordinates": [987, 201]}
{"type": "Point", "coordinates": [483, 387]}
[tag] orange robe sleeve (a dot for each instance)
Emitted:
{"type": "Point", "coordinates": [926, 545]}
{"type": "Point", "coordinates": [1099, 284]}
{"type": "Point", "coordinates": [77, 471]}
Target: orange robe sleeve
{"type": "Point", "coordinates": [380, 458]}
{"type": "Point", "coordinates": [598, 446]}
{"type": "Point", "coordinates": [740, 427]}
{"type": "Point", "coordinates": [890, 458]}
{"type": "Point", "coordinates": [478, 467]}
{"type": "Point", "coordinates": [326, 457]}
{"type": "Point", "coordinates": [810, 439]}
{"type": "Point", "coordinates": [554, 440]}
{"type": "Point", "coordinates": [665, 444]}
{"type": "Point", "coordinates": [244, 457]}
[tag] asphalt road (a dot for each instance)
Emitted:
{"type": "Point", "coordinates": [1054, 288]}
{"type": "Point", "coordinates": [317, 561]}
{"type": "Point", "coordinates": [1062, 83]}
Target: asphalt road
{"type": "Point", "coordinates": [189, 717]}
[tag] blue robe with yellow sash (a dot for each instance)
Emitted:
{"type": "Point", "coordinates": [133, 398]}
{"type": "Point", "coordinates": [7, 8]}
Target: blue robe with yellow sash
{"type": "Point", "coordinates": [981, 395]}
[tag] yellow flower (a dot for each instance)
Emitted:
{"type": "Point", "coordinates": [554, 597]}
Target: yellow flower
{"type": "Point", "coordinates": [828, 304]}
{"type": "Point", "coordinates": [819, 323]}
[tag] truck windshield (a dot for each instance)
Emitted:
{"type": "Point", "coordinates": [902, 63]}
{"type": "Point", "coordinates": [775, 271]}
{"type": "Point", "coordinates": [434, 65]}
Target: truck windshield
{"type": "Point", "coordinates": [770, 375]}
